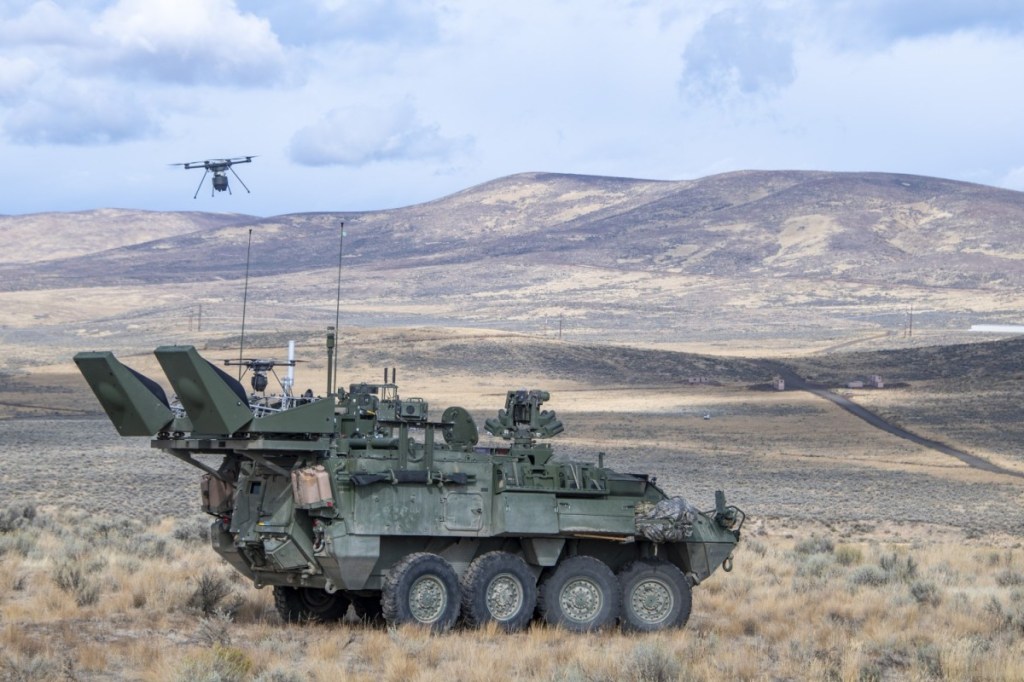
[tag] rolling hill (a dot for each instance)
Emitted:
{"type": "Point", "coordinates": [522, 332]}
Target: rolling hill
{"type": "Point", "coordinates": [749, 262]}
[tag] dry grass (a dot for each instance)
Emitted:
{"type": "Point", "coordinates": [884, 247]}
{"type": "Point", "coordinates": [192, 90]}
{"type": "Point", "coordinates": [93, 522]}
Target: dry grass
{"type": "Point", "coordinates": [815, 607]}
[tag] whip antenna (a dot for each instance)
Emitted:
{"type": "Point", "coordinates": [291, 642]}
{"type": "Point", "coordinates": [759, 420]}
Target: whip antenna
{"type": "Point", "coordinates": [337, 300]}
{"type": "Point", "coordinates": [245, 299]}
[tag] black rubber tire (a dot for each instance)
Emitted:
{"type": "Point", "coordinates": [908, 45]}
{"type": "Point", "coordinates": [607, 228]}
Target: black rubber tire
{"type": "Point", "coordinates": [499, 587]}
{"type": "Point", "coordinates": [368, 608]}
{"type": "Point", "coordinates": [305, 604]}
{"type": "Point", "coordinates": [582, 595]}
{"type": "Point", "coordinates": [655, 596]}
{"type": "Point", "coordinates": [421, 589]}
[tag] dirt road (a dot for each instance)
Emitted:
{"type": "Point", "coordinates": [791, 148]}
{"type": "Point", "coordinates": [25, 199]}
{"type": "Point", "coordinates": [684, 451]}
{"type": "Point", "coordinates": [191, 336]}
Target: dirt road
{"type": "Point", "coordinates": [796, 382]}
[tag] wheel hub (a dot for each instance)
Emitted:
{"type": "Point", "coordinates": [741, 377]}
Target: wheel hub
{"type": "Point", "coordinates": [651, 601]}
{"type": "Point", "coordinates": [504, 596]}
{"type": "Point", "coordinates": [427, 599]}
{"type": "Point", "coordinates": [581, 600]}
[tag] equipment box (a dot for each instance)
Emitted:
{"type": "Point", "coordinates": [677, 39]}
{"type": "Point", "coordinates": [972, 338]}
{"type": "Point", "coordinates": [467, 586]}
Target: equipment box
{"type": "Point", "coordinates": [311, 488]}
{"type": "Point", "coordinates": [218, 496]}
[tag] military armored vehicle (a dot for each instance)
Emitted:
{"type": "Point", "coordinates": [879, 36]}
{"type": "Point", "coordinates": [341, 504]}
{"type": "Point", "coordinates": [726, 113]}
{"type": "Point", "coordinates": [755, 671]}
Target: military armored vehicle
{"type": "Point", "coordinates": [361, 498]}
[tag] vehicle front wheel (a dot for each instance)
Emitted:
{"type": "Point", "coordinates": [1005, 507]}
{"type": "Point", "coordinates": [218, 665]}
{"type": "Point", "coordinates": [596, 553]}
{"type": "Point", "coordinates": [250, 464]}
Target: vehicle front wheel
{"type": "Point", "coordinates": [304, 604]}
{"type": "Point", "coordinates": [423, 589]}
{"type": "Point", "coordinates": [499, 587]}
{"type": "Point", "coordinates": [655, 596]}
{"type": "Point", "coordinates": [581, 595]}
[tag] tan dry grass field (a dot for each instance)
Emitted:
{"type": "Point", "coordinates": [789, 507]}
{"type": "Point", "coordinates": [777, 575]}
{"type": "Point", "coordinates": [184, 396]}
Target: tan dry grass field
{"type": "Point", "coordinates": [87, 596]}
{"type": "Point", "coordinates": [866, 556]}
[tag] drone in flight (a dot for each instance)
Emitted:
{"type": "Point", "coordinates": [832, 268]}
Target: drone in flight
{"type": "Point", "coordinates": [219, 168]}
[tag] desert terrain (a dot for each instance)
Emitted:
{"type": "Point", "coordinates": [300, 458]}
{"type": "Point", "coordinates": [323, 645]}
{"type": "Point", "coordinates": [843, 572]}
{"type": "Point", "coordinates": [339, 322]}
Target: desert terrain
{"type": "Point", "coordinates": [656, 313]}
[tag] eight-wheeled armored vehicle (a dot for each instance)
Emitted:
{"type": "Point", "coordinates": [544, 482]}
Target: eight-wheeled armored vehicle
{"type": "Point", "coordinates": [361, 498]}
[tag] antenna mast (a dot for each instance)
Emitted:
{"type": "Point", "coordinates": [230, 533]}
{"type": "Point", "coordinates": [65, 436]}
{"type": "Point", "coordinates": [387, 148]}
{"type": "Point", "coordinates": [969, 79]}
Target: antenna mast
{"type": "Point", "coordinates": [337, 299]}
{"type": "Point", "coordinates": [245, 299]}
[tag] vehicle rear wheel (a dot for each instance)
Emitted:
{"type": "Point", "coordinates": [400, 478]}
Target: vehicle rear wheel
{"type": "Point", "coordinates": [499, 587]}
{"type": "Point", "coordinates": [582, 594]}
{"type": "Point", "coordinates": [655, 596]}
{"type": "Point", "coordinates": [423, 589]}
{"type": "Point", "coordinates": [304, 604]}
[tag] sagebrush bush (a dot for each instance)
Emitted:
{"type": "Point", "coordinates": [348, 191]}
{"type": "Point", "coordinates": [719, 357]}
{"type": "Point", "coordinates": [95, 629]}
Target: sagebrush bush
{"type": "Point", "coordinates": [193, 531]}
{"type": "Point", "coordinates": [816, 544]}
{"type": "Point", "coordinates": [16, 516]}
{"type": "Point", "coordinates": [925, 592]}
{"type": "Point", "coordinates": [872, 576]}
{"type": "Point", "coordinates": [210, 592]}
{"type": "Point", "coordinates": [650, 662]}
{"type": "Point", "coordinates": [898, 570]}
{"type": "Point", "coordinates": [70, 577]}
{"type": "Point", "coordinates": [1009, 578]}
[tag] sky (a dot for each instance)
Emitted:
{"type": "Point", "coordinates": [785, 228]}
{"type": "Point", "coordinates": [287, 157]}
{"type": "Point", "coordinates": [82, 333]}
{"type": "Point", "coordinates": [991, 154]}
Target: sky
{"type": "Point", "coordinates": [353, 105]}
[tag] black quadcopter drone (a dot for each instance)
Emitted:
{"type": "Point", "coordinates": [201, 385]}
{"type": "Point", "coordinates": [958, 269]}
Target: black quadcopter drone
{"type": "Point", "coordinates": [218, 167]}
{"type": "Point", "coordinates": [259, 368]}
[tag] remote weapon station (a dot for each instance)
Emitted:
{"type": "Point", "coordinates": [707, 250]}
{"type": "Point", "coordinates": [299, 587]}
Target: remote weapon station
{"type": "Point", "coordinates": [362, 498]}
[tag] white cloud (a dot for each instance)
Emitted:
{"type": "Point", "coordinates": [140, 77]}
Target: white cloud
{"type": "Point", "coordinates": [16, 75]}
{"type": "Point", "coordinates": [189, 42]}
{"type": "Point", "coordinates": [80, 115]}
{"type": "Point", "coordinates": [742, 51]}
{"type": "Point", "coordinates": [357, 135]}
{"type": "Point", "coordinates": [44, 23]}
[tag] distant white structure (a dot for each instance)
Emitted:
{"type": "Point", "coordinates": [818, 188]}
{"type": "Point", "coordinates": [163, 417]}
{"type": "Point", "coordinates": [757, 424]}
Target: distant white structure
{"type": "Point", "coordinates": [998, 328]}
{"type": "Point", "coordinates": [779, 384]}
{"type": "Point", "coordinates": [875, 381]}
{"type": "Point", "coordinates": [855, 384]}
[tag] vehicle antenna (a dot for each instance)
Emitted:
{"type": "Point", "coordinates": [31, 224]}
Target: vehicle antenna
{"type": "Point", "coordinates": [245, 300]}
{"type": "Point", "coordinates": [337, 298]}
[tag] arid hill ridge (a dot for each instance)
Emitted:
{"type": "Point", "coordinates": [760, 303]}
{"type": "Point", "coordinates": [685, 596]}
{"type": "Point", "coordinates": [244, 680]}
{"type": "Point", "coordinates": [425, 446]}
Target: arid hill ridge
{"type": "Point", "coordinates": [875, 227]}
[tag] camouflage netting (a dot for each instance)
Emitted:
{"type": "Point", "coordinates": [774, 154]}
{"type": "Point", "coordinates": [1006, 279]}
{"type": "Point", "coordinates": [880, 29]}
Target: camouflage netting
{"type": "Point", "coordinates": [670, 520]}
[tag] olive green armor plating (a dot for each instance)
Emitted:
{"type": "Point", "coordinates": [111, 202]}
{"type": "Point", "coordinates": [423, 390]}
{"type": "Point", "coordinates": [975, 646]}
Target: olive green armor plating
{"type": "Point", "coordinates": [360, 498]}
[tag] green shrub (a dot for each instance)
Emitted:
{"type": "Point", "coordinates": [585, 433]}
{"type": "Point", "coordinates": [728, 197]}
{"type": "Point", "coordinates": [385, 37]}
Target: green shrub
{"type": "Point", "coordinates": [16, 516]}
{"type": "Point", "coordinates": [211, 590]}
{"type": "Point", "coordinates": [70, 578]}
{"type": "Point", "coordinates": [815, 545]}
{"type": "Point", "coordinates": [872, 576]}
{"type": "Point", "coordinates": [925, 593]}
{"type": "Point", "coordinates": [898, 570]}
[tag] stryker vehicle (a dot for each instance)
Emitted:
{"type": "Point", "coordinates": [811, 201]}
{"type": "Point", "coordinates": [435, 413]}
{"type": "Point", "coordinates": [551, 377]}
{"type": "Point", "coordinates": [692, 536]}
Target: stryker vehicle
{"type": "Point", "coordinates": [360, 498]}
